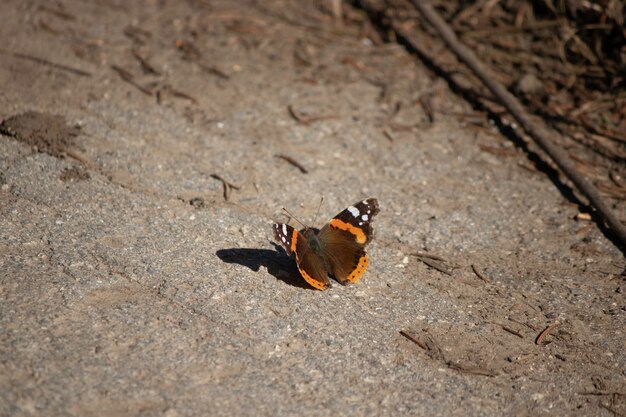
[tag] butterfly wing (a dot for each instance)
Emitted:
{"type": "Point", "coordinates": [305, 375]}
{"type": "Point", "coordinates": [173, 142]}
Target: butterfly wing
{"type": "Point", "coordinates": [287, 236]}
{"type": "Point", "coordinates": [346, 257]}
{"type": "Point", "coordinates": [310, 265]}
{"type": "Point", "coordinates": [344, 238]}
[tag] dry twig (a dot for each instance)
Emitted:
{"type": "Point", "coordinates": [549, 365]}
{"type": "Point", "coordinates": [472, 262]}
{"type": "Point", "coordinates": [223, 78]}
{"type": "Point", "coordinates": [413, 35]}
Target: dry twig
{"type": "Point", "coordinates": [307, 120]}
{"type": "Point", "coordinates": [435, 262]}
{"type": "Point", "coordinates": [145, 65]}
{"type": "Point", "coordinates": [545, 333]}
{"type": "Point", "coordinates": [292, 162]}
{"type": "Point", "coordinates": [228, 187]}
{"type": "Point", "coordinates": [130, 79]}
{"type": "Point", "coordinates": [509, 330]}
{"type": "Point", "coordinates": [213, 70]}
{"type": "Point", "coordinates": [45, 62]}
{"type": "Point", "coordinates": [480, 274]}
{"type": "Point", "coordinates": [57, 12]}
{"type": "Point", "coordinates": [470, 370]}
{"type": "Point", "coordinates": [435, 352]}
{"type": "Point", "coordinates": [414, 340]}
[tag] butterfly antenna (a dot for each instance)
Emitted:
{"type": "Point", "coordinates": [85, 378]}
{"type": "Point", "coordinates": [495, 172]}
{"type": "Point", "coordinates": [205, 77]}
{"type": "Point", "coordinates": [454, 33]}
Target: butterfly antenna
{"type": "Point", "coordinates": [295, 218]}
{"type": "Point", "coordinates": [318, 209]}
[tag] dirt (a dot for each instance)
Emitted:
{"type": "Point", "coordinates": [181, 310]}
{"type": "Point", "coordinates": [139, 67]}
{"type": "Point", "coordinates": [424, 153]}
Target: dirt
{"type": "Point", "coordinates": [74, 173]}
{"type": "Point", "coordinates": [44, 132]}
{"type": "Point", "coordinates": [138, 275]}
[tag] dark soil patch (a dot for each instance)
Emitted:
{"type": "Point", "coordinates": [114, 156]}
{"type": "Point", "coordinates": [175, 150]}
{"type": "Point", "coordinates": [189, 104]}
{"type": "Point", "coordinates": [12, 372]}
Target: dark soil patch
{"type": "Point", "coordinates": [45, 132]}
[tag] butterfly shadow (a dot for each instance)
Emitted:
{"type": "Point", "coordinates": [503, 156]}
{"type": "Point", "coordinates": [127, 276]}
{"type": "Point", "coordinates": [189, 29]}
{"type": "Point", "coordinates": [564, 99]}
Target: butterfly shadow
{"type": "Point", "coordinates": [277, 262]}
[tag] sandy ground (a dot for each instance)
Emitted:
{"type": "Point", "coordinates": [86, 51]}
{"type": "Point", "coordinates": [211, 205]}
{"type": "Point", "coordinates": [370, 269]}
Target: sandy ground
{"type": "Point", "coordinates": [129, 286]}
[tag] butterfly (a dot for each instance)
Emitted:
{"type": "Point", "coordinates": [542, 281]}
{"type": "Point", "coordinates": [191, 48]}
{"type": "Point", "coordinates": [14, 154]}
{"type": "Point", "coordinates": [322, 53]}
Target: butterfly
{"type": "Point", "coordinates": [337, 249]}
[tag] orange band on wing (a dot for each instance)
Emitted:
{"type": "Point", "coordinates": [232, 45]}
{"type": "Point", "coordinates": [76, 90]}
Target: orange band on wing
{"type": "Point", "coordinates": [313, 282]}
{"type": "Point", "coordinates": [359, 270]}
{"type": "Point", "coordinates": [356, 231]}
{"type": "Point", "coordinates": [308, 278]}
{"type": "Point", "coordinates": [294, 240]}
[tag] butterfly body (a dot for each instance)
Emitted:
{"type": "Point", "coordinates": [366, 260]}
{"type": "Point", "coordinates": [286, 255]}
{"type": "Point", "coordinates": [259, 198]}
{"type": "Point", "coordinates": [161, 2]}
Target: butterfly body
{"type": "Point", "coordinates": [337, 249]}
{"type": "Point", "coordinates": [310, 235]}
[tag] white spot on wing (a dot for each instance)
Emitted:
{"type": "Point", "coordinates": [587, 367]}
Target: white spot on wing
{"type": "Point", "coordinates": [354, 211]}
{"type": "Point", "coordinates": [365, 217]}
{"type": "Point", "coordinates": [285, 229]}
{"type": "Point", "coordinates": [364, 202]}
{"type": "Point", "coordinates": [284, 239]}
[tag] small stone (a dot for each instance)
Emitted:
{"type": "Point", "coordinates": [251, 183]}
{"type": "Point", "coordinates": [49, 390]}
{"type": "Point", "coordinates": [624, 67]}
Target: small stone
{"type": "Point", "coordinates": [529, 84]}
{"type": "Point", "coordinates": [583, 216]}
{"type": "Point", "coordinates": [197, 202]}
